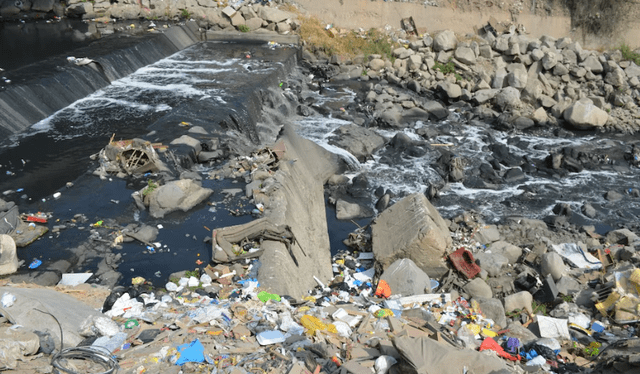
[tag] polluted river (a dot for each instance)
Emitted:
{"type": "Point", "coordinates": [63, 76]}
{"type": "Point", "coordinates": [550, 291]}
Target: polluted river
{"type": "Point", "coordinates": [49, 168]}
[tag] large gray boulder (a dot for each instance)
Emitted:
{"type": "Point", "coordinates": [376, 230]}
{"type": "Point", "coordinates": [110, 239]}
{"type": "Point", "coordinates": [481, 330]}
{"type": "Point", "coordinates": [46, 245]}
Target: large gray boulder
{"type": "Point", "coordinates": [359, 141]}
{"type": "Point", "coordinates": [482, 96]}
{"type": "Point", "coordinates": [182, 194]}
{"type": "Point", "coordinates": [274, 15]}
{"type": "Point", "coordinates": [517, 78]}
{"type": "Point", "coordinates": [584, 115]}
{"type": "Point", "coordinates": [80, 9]}
{"type": "Point", "coordinates": [551, 264]}
{"type": "Point", "coordinates": [492, 263]}
{"type": "Point", "coordinates": [508, 250]}
{"type": "Point", "coordinates": [465, 55]}
{"type": "Point", "coordinates": [492, 309]}
{"type": "Point", "coordinates": [632, 71]}
{"type": "Point", "coordinates": [593, 64]}
{"type": "Point", "coordinates": [405, 278]}
{"type": "Point", "coordinates": [435, 109]}
{"type": "Point", "coordinates": [445, 41]}
{"type": "Point", "coordinates": [124, 11]}
{"type": "Point", "coordinates": [189, 141]}
{"type": "Point", "coordinates": [508, 98]}
{"type": "Point", "coordinates": [42, 5]}
{"type": "Point", "coordinates": [452, 90]}
{"type": "Point", "coordinates": [346, 210]}
{"type": "Point", "coordinates": [8, 257]}
{"type": "Point", "coordinates": [477, 287]}
{"type": "Point", "coordinates": [521, 300]}
{"type": "Point", "coordinates": [413, 229]}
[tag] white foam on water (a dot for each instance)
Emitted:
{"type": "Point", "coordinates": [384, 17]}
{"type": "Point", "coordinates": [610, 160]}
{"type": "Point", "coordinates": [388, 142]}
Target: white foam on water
{"type": "Point", "coordinates": [351, 160]}
{"type": "Point", "coordinates": [143, 92]}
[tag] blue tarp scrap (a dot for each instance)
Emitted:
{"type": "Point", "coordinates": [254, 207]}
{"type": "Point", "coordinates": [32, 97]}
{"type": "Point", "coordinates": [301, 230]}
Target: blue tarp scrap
{"type": "Point", "coordinates": [190, 352]}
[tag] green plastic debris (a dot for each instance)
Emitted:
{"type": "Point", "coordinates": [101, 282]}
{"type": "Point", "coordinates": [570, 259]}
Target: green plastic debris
{"type": "Point", "coordinates": [265, 296]}
{"type": "Point", "coordinates": [593, 349]}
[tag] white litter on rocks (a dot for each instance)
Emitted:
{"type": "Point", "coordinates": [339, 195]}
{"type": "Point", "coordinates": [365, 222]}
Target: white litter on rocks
{"type": "Point", "coordinates": [576, 256]}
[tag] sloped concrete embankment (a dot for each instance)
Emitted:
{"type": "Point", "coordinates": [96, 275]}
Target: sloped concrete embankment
{"type": "Point", "coordinates": [41, 89]}
{"type": "Point", "coordinates": [298, 201]}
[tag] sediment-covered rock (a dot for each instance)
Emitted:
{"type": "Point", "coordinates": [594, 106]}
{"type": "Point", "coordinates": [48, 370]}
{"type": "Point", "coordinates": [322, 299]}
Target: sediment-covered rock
{"type": "Point", "coordinates": [412, 228]}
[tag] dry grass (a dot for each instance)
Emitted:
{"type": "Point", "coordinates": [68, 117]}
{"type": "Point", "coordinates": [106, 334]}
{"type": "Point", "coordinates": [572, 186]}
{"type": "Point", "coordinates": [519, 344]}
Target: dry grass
{"type": "Point", "coordinates": [344, 43]}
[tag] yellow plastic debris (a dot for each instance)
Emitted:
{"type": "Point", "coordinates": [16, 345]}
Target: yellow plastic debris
{"type": "Point", "coordinates": [382, 313]}
{"type": "Point", "coordinates": [137, 280]}
{"type": "Point", "coordinates": [635, 277]}
{"type": "Point", "coordinates": [313, 324]}
{"type": "Point", "coordinates": [489, 333]}
{"type": "Point", "coordinates": [611, 300]}
{"type": "Point", "coordinates": [475, 329]}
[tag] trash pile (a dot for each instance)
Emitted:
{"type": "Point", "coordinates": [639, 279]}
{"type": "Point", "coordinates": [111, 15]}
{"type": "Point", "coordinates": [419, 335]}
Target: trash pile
{"type": "Point", "coordinates": [553, 306]}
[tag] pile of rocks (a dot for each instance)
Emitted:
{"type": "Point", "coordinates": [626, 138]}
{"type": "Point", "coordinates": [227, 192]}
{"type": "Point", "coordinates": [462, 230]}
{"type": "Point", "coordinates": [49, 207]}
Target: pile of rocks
{"type": "Point", "coordinates": [211, 15]}
{"type": "Point", "coordinates": [533, 81]}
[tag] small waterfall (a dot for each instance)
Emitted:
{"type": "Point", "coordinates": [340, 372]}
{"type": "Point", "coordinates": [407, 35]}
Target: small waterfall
{"type": "Point", "coordinates": [41, 89]}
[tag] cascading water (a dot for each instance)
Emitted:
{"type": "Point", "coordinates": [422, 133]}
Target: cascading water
{"type": "Point", "coordinates": [534, 195]}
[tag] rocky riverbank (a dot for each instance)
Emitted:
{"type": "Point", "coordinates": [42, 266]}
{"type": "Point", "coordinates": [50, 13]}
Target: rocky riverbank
{"type": "Point", "coordinates": [529, 294]}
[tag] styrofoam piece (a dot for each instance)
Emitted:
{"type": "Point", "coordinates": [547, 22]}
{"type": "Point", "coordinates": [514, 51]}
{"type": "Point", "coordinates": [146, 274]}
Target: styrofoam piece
{"type": "Point", "coordinates": [365, 276]}
{"type": "Point", "coordinates": [426, 298]}
{"type": "Point", "coordinates": [342, 315]}
{"type": "Point", "coordinates": [365, 256]}
{"type": "Point", "coordinates": [553, 327]}
{"type": "Point", "coordinates": [392, 304]}
{"type": "Point", "coordinates": [270, 337]}
{"type": "Point", "coordinates": [580, 320]}
{"type": "Point", "coordinates": [579, 258]}
{"type": "Point", "coordinates": [74, 279]}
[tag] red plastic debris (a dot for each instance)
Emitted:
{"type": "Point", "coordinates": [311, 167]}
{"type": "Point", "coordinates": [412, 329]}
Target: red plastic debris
{"type": "Point", "coordinates": [492, 345]}
{"type": "Point", "coordinates": [463, 261]}
{"type": "Point", "coordinates": [36, 219]}
{"type": "Point", "coordinates": [383, 289]}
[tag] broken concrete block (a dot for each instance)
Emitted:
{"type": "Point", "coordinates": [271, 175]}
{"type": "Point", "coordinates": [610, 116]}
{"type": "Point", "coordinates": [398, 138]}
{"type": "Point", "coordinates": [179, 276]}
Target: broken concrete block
{"type": "Point", "coordinates": [8, 257]}
{"type": "Point", "coordinates": [520, 300]}
{"type": "Point", "coordinates": [478, 288]}
{"type": "Point", "coordinates": [487, 234]}
{"type": "Point", "coordinates": [177, 195]}
{"type": "Point", "coordinates": [404, 277]}
{"type": "Point", "coordinates": [551, 264]}
{"type": "Point", "coordinates": [413, 229]}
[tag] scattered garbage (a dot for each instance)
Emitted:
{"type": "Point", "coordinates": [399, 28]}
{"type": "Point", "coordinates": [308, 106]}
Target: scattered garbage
{"type": "Point", "coordinates": [35, 263]}
{"type": "Point", "coordinates": [7, 300]}
{"type": "Point", "coordinates": [74, 279]}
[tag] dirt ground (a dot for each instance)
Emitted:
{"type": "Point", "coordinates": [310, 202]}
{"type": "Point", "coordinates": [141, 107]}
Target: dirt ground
{"type": "Point", "coordinates": [539, 17]}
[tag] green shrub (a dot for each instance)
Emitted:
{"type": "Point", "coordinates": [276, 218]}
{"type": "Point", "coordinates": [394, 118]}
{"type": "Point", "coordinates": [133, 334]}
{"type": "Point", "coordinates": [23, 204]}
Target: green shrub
{"type": "Point", "coordinates": [629, 55]}
{"type": "Point", "coordinates": [244, 28]}
{"type": "Point", "coordinates": [445, 69]}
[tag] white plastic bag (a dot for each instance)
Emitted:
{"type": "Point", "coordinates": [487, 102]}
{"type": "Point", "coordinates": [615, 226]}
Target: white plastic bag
{"type": "Point", "coordinates": [383, 364]}
{"type": "Point", "coordinates": [7, 300]}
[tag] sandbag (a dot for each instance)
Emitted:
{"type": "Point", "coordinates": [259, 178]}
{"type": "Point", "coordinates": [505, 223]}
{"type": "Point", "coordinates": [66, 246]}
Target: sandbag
{"type": "Point", "coordinates": [426, 356]}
